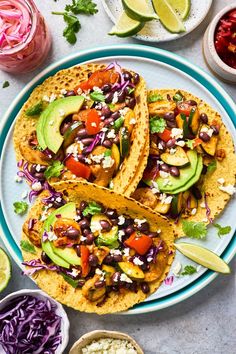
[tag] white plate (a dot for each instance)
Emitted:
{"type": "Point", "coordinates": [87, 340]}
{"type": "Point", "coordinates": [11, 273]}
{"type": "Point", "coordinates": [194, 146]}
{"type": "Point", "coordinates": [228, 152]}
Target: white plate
{"type": "Point", "coordinates": [153, 31]}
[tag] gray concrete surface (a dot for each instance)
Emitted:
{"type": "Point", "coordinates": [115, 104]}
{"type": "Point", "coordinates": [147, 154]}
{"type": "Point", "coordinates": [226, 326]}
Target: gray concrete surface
{"type": "Point", "coordinates": [204, 323]}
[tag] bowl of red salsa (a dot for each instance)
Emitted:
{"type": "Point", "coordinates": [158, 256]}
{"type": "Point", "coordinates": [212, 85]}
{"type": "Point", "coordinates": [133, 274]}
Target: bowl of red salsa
{"type": "Point", "coordinates": [219, 44]}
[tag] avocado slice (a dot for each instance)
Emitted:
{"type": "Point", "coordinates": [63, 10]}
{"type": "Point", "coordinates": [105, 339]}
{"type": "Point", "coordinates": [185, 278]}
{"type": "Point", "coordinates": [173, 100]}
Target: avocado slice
{"type": "Point", "coordinates": [133, 271]}
{"type": "Point", "coordinates": [47, 248]}
{"type": "Point", "coordinates": [48, 127]}
{"type": "Point", "coordinates": [68, 254]}
{"type": "Point", "coordinates": [109, 238]}
{"type": "Point", "coordinates": [179, 158]}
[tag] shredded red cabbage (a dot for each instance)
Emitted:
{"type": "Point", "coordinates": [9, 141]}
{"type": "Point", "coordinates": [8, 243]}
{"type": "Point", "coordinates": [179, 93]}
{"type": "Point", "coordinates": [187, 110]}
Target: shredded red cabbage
{"type": "Point", "coordinates": [30, 325]}
{"type": "Point", "coordinates": [95, 142]}
{"type": "Point", "coordinates": [55, 197]}
{"type": "Point", "coordinates": [152, 254]}
{"type": "Point", "coordinates": [31, 224]}
{"type": "Point", "coordinates": [169, 280]}
{"type": "Point", "coordinates": [37, 265]}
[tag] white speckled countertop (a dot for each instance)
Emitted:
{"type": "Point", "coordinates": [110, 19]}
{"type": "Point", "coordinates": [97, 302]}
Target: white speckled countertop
{"type": "Point", "coordinates": [203, 324]}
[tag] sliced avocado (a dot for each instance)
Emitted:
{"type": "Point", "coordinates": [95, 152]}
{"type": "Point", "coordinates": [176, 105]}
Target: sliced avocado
{"type": "Point", "coordinates": [47, 248]}
{"type": "Point", "coordinates": [48, 127]}
{"type": "Point", "coordinates": [176, 204]}
{"type": "Point", "coordinates": [95, 223]}
{"type": "Point", "coordinates": [115, 153]}
{"type": "Point", "coordinates": [68, 254]}
{"type": "Point", "coordinates": [124, 142]}
{"type": "Point", "coordinates": [71, 133]}
{"type": "Point", "coordinates": [133, 271]}
{"type": "Point", "coordinates": [179, 158]}
{"type": "Point", "coordinates": [109, 238]}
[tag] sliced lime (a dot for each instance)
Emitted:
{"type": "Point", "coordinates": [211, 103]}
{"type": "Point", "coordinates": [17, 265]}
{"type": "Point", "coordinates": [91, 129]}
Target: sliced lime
{"type": "Point", "coordinates": [168, 17]}
{"type": "Point", "coordinates": [181, 6]}
{"type": "Point", "coordinates": [126, 26]}
{"type": "Point", "coordinates": [203, 256]}
{"type": "Point", "coordinates": [139, 10]}
{"type": "Point", "coordinates": [5, 270]}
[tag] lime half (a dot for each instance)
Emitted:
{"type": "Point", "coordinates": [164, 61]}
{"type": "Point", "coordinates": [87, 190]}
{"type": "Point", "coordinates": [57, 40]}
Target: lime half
{"type": "Point", "coordinates": [139, 10]}
{"type": "Point", "coordinates": [5, 270]}
{"type": "Point", "coordinates": [168, 17]}
{"type": "Point", "coordinates": [203, 256]}
{"type": "Point", "coordinates": [126, 26]}
{"type": "Point", "coordinates": [181, 6]}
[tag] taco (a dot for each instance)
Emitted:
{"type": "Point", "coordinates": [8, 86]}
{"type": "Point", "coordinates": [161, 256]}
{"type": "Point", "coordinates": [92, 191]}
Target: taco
{"type": "Point", "coordinates": [99, 251]}
{"type": "Point", "coordinates": [88, 121]}
{"type": "Point", "coordinates": [192, 163]}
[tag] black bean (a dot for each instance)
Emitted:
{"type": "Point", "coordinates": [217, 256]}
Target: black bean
{"type": "Point", "coordinates": [114, 288]}
{"type": "Point", "coordinates": [204, 136]}
{"type": "Point", "coordinates": [164, 167]}
{"type": "Point", "coordinates": [72, 233]}
{"type": "Point", "coordinates": [127, 75]}
{"type": "Point", "coordinates": [204, 118]}
{"type": "Point", "coordinates": [117, 257]}
{"type": "Point", "coordinates": [145, 288]}
{"type": "Point", "coordinates": [215, 129]}
{"type": "Point", "coordinates": [121, 96]}
{"type": "Point", "coordinates": [143, 227]}
{"type": "Point", "coordinates": [131, 102]}
{"type": "Point", "coordinates": [45, 258]}
{"type": "Point", "coordinates": [196, 192]}
{"type": "Point", "coordinates": [170, 116]}
{"type": "Point", "coordinates": [70, 93]}
{"type": "Point", "coordinates": [191, 103]}
{"type": "Point", "coordinates": [93, 260]}
{"type": "Point", "coordinates": [106, 112]}
{"type": "Point", "coordinates": [115, 278]}
{"type": "Point", "coordinates": [153, 234]}
{"type": "Point", "coordinates": [78, 251]}
{"type": "Point", "coordinates": [81, 283]}
{"type": "Point", "coordinates": [79, 212]}
{"type": "Point", "coordinates": [82, 133]}
{"type": "Point", "coordinates": [145, 267]}
{"type": "Point", "coordinates": [86, 232]}
{"type": "Point", "coordinates": [114, 222]}
{"type": "Point", "coordinates": [89, 239]}
{"type": "Point", "coordinates": [105, 225]}
{"type": "Point", "coordinates": [40, 176]}
{"type": "Point", "coordinates": [90, 74]}
{"type": "Point", "coordinates": [87, 141]}
{"type": "Point", "coordinates": [115, 115]}
{"type": "Point", "coordinates": [171, 124]}
{"type": "Point", "coordinates": [33, 169]}
{"type": "Point", "coordinates": [106, 88]}
{"type": "Point", "coordinates": [134, 287]}
{"type": "Point", "coordinates": [57, 204]}
{"type": "Point", "coordinates": [84, 223]}
{"type": "Point", "coordinates": [108, 259]}
{"type": "Point", "coordinates": [99, 284]}
{"type": "Point", "coordinates": [136, 78]}
{"type": "Point", "coordinates": [81, 157]}
{"type": "Point", "coordinates": [163, 144]}
{"type": "Point", "coordinates": [129, 230]}
{"type": "Point", "coordinates": [174, 171]}
{"type": "Point", "coordinates": [107, 143]}
{"type": "Point", "coordinates": [111, 213]}
{"type": "Point", "coordinates": [204, 170]}
{"type": "Point", "coordinates": [108, 121]}
{"type": "Point", "coordinates": [83, 205]}
{"type": "Point", "coordinates": [129, 91]}
{"type": "Point", "coordinates": [109, 97]}
{"type": "Point", "coordinates": [170, 143]}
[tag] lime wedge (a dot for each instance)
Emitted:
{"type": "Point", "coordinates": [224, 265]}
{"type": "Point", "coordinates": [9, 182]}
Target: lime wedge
{"type": "Point", "coordinates": [139, 10]}
{"type": "Point", "coordinates": [168, 17]}
{"type": "Point", "coordinates": [181, 6]}
{"type": "Point", "coordinates": [5, 270]}
{"type": "Point", "coordinates": [126, 26]}
{"type": "Point", "coordinates": [203, 256]}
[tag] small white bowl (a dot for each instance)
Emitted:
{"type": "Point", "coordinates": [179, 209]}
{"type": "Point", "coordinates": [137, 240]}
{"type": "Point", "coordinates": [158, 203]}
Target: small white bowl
{"type": "Point", "coordinates": [65, 325]}
{"type": "Point", "coordinates": [96, 335]}
{"type": "Point", "coordinates": [215, 63]}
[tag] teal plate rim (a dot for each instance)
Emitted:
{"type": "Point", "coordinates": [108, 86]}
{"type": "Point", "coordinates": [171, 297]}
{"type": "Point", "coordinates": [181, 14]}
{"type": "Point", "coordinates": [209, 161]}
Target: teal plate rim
{"type": "Point", "coordinates": [140, 51]}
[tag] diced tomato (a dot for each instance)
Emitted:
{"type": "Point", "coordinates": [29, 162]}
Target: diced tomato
{"type": "Point", "coordinates": [78, 168]}
{"type": "Point", "coordinates": [184, 108]}
{"type": "Point", "coordinates": [165, 136]}
{"type": "Point", "coordinates": [98, 79]}
{"type": "Point", "coordinates": [93, 122]}
{"type": "Point", "coordinates": [139, 242]}
{"type": "Point", "coordinates": [197, 142]}
{"type": "Point", "coordinates": [84, 252]}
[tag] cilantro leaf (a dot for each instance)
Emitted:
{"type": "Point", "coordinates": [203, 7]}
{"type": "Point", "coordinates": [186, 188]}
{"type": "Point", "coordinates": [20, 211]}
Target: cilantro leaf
{"type": "Point", "coordinates": [5, 84]}
{"type": "Point", "coordinates": [211, 167]}
{"type": "Point", "coordinates": [54, 170]}
{"type": "Point", "coordinates": [97, 96]}
{"type": "Point", "coordinates": [92, 209]}
{"type": "Point", "coordinates": [193, 229]}
{"type": "Point", "coordinates": [27, 247]}
{"type": "Point", "coordinates": [73, 27]}
{"type": "Point", "coordinates": [189, 144]}
{"type": "Point", "coordinates": [154, 98]}
{"type": "Point", "coordinates": [87, 7]}
{"type": "Point", "coordinates": [20, 207]}
{"type": "Point", "coordinates": [222, 230]}
{"type": "Point", "coordinates": [35, 110]}
{"type": "Point", "coordinates": [69, 280]}
{"type": "Point", "coordinates": [178, 96]}
{"type": "Point", "coordinates": [189, 270]}
{"type": "Point", "coordinates": [157, 124]}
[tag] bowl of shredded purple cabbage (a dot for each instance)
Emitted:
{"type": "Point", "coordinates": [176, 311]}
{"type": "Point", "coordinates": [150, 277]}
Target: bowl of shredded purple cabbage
{"type": "Point", "coordinates": [32, 323]}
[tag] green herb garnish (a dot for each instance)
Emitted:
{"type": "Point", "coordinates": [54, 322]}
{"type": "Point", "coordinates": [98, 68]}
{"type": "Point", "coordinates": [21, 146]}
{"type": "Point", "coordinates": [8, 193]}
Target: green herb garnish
{"type": "Point", "coordinates": [69, 280]}
{"type": "Point", "coordinates": [54, 170]}
{"type": "Point", "coordinates": [35, 110]}
{"type": "Point", "coordinates": [157, 125]}
{"type": "Point", "coordinates": [222, 230]}
{"type": "Point", "coordinates": [189, 143]}
{"type": "Point", "coordinates": [189, 270]}
{"type": "Point", "coordinates": [178, 97]}
{"type": "Point", "coordinates": [97, 96]}
{"type": "Point", "coordinates": [27, 247]}
{"type": "Point", "coordinates": [193, 229]}
{"type": "Point", "coordinates": [5, 84]}
{"type": "Point", "coordinates": [92, 209]}
{"type": "Point", "coordinates": [154, 98]}
{"type": "Point", "coordinates": [211, 167]}
{"type": "Point", "coordinates": [20, 207]}
{"type": "Point", "coordinates": [87, 7]}
{"type": "Point", "coordinates": [119, 123]}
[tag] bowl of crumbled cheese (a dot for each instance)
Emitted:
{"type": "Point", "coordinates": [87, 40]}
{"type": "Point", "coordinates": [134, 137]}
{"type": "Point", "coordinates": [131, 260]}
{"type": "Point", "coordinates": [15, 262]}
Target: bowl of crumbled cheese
{"type": "Point", "coordinates": [103, 342]}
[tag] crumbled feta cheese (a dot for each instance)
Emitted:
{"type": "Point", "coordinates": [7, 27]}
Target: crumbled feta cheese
{"type": "Point", "coordinates": [111, 134]}
{"type": "Point", "coordinates": [126, 252]}
{"type": "Point", "coordinates": [115, 252]}
{"type": "Point", "coordinates": [36, 186]}
{"type": "Point", "coordinates": [205, 220]}
{"type": "Point", "coordinates": [61, 112]}
{"type": "Point", "coordinates": [165, 199]}
{"type": "Point", "coordinates": [88, 160]}
{"type": "Point", "coordinates": [124, 111]}
{"type": "Point", "coordinates": [93, 124]}
{"type": "Point", "coordinates": [221, 180]}
{"type": "Point", "coordinates": [46, 98]}
{"type": "Point", "coordinates": [116, 277]}
{"type": "Point", "coordinates": [176, 133]}
{"type": "Point", "coordinates": [194, 211]}
{"type": "Point", "coordinates": [77, 218]}
{"type": "Point", "coordinates": [164, 174]}
{"type": "Point", "coordinates": [155, 190]}
{"type": "Point", "coordinates": [203, 205]}
{"type": "Point", "coordinates": [180, 143]}
{"type": "Point", "coordinates": [75, 272]}
{"type": "Point", "coordinates": [51, 236]}
{"type": "Point", "coordinates": [38, 167]}
{"type": "Point", "coordinates": [210, 132]}
{"type": "Point", "coordinates": [204, 129]}
{"type": "Point", "coordinates": [58, 199]}
{"type": "Point", "coordinates": [230, 189]}
{"type": "Point", "coordinates": [63, 91]}
{"type": "Point", "coordinates": [121, 220]}
{"type": "Point", "coordinates": [121, 233]}
{"type": "Point", "coordinates": [98, 271]}
{"type": "Point", "coordinates": [104, 129]}
{"type": "Point", "coordinates": [172, 151]}
{"type": "Point", "coordinates": [115, 98]}
{"type": "Point", "coordinates": [79, 91]}
{"type": "Point", "coordinates": [95, 227]}
{"type": "Point", "coordinates": [18, 179]}
{"type": "Point", "coordinates": [125, 278]}
{"type": "Point", "coordinates": [159, 231]}
{"type": "Point", "coordinates": [160, 146]}
{"type": "Point", "coordinates": [97, 89]}
{"type": "Point", "coordinates": [72, 149]}
{"type": "Point", "coordinates": [97, 158]}
{"type": "Point", "coordinates": [137, 261]}
{"type": "Point", "coordinates": [24, 195]}
{"type": "Point", "coordinates": [159, 162]}
{"type": "Point", "coordinates": [83, 238]}
{"type": "Point", "coordinates": [132, 121]}
{"type": "Point", "coordinates": [139, 222]}
{"type": "Point", "coordinates": [108, 162]}
{"type": "Point", "coordinates": [177, 269]}
{"type": "Point", "coordinates": [52, 97]}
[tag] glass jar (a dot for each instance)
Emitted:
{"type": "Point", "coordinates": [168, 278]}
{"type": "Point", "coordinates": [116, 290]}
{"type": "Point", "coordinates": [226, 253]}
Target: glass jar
{"type": "Point", "coordinates": [33, 49]}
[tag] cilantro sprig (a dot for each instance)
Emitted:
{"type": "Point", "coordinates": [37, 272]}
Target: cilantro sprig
{"type": "Point", "coordinates": [222, 230]}
{"type": "Point", "coordinates": [193, 229]}
{"type": "Point", "coordinates": [20, 208]}
{"type": "Point", "coordinates": [86, 7]}
{"type": "Point", "coordinates": [97, 96]}
{"type": "Point", "coordinates": [54, 170]}
{"type": "Point", "coordinates": [35, 110]}
{"type": "Point", "coordinates": [154, 98]}
{"type": "Point", "coordinates": [189, 270]}
{"type": "Point", "coordinates": [5, 84]}
{"type": "Point", "coordinates": [92, 209]}
{"type": "Point", "coordinates": [157, 125]}
{"type": "Point", "coordinates": [27, 247]}
{"type": "Point", "coordinates": [211, 167]}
